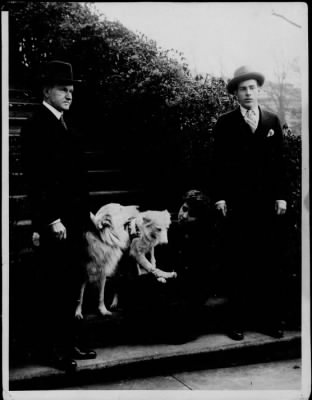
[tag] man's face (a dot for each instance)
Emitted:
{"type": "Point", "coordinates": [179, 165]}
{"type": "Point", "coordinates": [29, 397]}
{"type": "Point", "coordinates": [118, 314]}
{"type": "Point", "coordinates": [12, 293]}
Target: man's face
{"type": "Point", "coordinates": [184, 214]}
{"type": "Point", "coordinates": [59, 96]}
{"type": "Point", "coordinates": [247, 93]}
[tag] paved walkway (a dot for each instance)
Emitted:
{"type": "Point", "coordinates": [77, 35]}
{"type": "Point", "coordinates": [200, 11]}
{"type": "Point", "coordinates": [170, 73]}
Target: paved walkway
{"type": "Point", "coordinates": [276, 375]}
{"type": "Point", "coordinates": [211, 350]}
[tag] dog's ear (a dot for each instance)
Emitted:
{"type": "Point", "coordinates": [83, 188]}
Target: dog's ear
{"type": "Point", "coordinates": [147, 217]}
{"type": "Point", "coordinates": [139, 219]}
{"type": "Point", "coordinates": [104, 222]}
{"type": "Point", "coordinates": [146, 220]}
{"type": "Point", "coordinates": [92, 217]}
{"type": "Point", "coordinates": [133, 210]}
{"type": "Point", "coordinates": [167, 216]}
{"type": "Point", "coordinates": [143, 219]}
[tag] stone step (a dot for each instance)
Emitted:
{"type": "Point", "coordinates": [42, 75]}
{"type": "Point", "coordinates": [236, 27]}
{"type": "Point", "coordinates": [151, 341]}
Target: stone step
{"type": "Point", "coordinates": [21, 94]}
{"type": "Point", "coordinates": [98, 156]}
{"type": "Point", "coordinates": [110, 179]}
{"type": "Point", "coordinates": [135, 358]}
{"type": "Point", "coordinates": [20, 228]}
{"type": "Point", "coordinates": [21, 112]}
{"type": "Point", "coordinates": [132, 340]}
{"type": "Point", "coordinates": [94, 160]}
{"type": "Point", "coordinates": [19, 204]}
{"type": "Point", "coordinates": [21, 103]}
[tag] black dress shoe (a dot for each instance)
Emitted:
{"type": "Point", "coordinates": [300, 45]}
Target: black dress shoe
{"type": "Point", "coordinates": [179, 338]}
{"type": "Point", "coordinates": [276, 333]}
{"type": "Point", "coordinates": [235, 334]}
{"type": "Point", "coordinates": [65, 364]}
{"type": "Point", "coordinates": [274, 329]}
{"type": "Point", "coordinates": [82, 354]}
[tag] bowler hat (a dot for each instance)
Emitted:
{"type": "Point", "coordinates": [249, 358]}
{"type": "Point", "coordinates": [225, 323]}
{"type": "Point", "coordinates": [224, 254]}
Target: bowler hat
{"type": "Point", "coordinates": [243, 74]}
{"type": "Point", "coordinates": [57, 72]}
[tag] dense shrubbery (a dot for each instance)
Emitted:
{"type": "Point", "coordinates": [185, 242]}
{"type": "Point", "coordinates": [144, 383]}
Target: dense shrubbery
{"type": "Point", "coordinates": [138, 98]}
{"type": "Point", "coordinates": [137, 101]}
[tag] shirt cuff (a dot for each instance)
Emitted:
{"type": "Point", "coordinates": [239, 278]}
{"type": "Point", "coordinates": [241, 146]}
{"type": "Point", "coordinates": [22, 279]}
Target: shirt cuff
{"type": "Point", "coordinates": [282, 203]}
{"type": "Point", "coordinates": [55, 222]}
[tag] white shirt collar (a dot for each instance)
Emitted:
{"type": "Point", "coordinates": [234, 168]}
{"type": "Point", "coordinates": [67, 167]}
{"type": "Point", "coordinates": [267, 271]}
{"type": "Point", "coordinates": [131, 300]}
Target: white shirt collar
{"type": "Point", "coordinates": [57, 113]}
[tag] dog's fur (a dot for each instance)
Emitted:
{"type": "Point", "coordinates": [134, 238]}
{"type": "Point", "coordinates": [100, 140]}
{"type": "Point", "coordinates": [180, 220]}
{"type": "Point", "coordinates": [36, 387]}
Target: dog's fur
{"type": "Point", "coordinates": [105, 246]}
{"type": "Point", "coordinates": [152, 227]}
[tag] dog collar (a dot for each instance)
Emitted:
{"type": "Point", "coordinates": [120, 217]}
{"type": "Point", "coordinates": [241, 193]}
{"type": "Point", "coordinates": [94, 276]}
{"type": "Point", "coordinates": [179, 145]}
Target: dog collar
{"type": "Point", "coordinates": [133, 229]}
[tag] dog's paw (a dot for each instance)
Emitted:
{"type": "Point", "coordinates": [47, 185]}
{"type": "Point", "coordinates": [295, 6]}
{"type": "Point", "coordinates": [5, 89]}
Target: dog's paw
{"type": "Point", "coordinates": [162, 276]}
{"type": "Point", "coordinates": [114, 305]}
{"type": "Point", "coordinates": [104, 311]}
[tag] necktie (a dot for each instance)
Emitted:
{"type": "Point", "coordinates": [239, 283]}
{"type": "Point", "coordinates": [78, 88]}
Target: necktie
{"type": "Point", "coordinates": [250, 118]}
{"type": "Point", "coordinates": [63, 122]}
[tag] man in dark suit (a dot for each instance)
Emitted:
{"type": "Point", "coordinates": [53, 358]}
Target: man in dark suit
{"type": "Point", "coordinates": [249, 193]}
{"type": "Point", "coordinates": [60, 214]}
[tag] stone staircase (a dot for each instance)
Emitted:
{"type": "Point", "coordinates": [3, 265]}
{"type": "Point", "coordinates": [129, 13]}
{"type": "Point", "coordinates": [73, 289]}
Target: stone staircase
{"type": "Point", "coordinates": [106, 183]}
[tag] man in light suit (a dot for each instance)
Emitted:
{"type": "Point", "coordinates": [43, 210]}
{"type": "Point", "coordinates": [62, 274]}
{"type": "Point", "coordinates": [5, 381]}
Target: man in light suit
{"type": "Point", "coordinates": [250, 196]}
{"type": "Point", "coordinates": [58, 197]}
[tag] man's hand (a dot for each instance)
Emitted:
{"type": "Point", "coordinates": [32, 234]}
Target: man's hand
{"type": "Point", "coordinates": [280, 207]}
{"type": "Point", "coordinates": [59, 230]}
{"type": "Point", "coordinates": [36, 239]}
{"type": "Point", "coordinates": [221, 207]}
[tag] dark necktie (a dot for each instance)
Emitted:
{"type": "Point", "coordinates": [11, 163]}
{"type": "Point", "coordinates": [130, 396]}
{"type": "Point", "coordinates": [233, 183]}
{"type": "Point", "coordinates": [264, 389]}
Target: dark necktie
{"type": "Point", "coordinates": [63, 122]}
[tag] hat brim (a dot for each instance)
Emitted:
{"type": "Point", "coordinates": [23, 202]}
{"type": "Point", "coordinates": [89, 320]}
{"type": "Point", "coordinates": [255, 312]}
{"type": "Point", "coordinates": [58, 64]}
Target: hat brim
{"type": "Point", "coordinates": [59, 81]}
{"type": "Point", "coordinates": [232, 85]}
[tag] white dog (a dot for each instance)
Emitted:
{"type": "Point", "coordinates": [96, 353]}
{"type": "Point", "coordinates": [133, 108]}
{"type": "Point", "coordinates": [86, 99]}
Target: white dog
{"type": "Point", "coordinates": [151, 229]}
{"type": "Point", "coordinates": [105, 246]}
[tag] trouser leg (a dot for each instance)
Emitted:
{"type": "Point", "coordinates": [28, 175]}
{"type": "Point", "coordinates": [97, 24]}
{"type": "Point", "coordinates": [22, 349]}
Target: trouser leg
{"type": "Point", "coordinates": [58, 290]}
{"type": "Point", "coordinates": [236, 256]}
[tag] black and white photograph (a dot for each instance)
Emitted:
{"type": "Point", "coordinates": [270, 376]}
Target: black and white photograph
{"type": "Point", "coordinates": [155, 200]}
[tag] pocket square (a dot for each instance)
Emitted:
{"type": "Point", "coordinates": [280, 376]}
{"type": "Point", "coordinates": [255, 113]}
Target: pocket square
{"type": "Point", "coordinates": [270, 133]}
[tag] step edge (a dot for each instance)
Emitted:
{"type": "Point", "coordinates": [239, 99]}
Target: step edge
{"type": "Point", "coordinates": [295, 339]}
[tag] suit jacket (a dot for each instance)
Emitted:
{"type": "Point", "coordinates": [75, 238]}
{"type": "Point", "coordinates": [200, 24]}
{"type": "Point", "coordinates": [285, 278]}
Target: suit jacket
{"type": "Point", "coordinates": [248, 166]}
{"type": "Point", "coordinates": [53, 164]}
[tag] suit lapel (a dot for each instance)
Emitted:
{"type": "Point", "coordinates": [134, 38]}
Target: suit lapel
{"type": "Point", "coordinates": [241, 123]}
{"type": "Point", "coordinates": [264, 122]}
{"type": "Point", "coordinates": [54, 124]}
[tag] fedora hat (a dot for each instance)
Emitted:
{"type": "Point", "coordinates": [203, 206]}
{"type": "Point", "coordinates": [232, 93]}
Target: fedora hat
{"type": "Point", "coordinates": [243, 74]}
{"type": "Point", "coordinates": [57, 72]}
